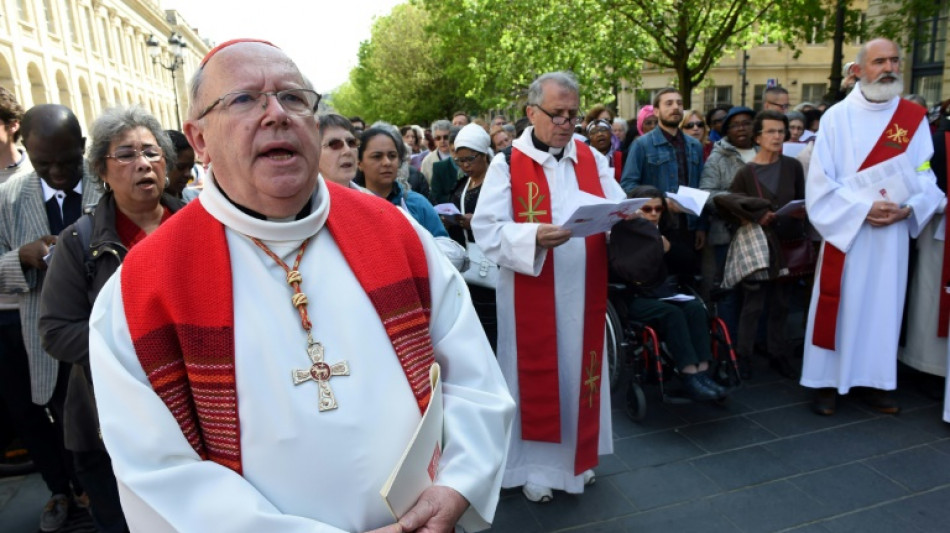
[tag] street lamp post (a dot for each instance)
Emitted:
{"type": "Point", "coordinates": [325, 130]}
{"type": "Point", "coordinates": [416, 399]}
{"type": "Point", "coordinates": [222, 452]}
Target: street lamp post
{"type": "Point", "coordinates": [177, 43]}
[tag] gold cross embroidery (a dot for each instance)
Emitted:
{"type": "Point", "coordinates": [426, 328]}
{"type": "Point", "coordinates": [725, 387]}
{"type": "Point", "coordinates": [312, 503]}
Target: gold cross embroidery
{"type": "Point", "coordinates": [321, 373]}
{"type": "Point", "coordinates": [897, 134]}
{"type": "Point", "coordinates": [592, 379]}
{"type": "Point", "coordinates": [531, 211]}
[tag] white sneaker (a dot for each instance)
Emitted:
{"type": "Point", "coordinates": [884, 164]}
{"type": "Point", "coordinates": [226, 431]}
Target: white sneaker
{"type": "Point", "coordinates": [589, 477]}
{"type": "Point", "coordinates": [537, 493]}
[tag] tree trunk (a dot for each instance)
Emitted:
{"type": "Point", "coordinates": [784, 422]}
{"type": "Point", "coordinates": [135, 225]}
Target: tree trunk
{"type": "Point", "coordinates": [685, 85]}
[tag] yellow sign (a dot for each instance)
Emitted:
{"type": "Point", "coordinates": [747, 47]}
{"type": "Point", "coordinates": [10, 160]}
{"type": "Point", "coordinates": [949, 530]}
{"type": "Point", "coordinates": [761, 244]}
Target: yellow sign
{"type": "Point", "coordinates": [531, 211]}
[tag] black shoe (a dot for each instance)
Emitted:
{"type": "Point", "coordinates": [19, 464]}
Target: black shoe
{"type": "Point", "coordinates": [694, 388]}
{"type": "Point", "coordinates": [745, 367]}
{"type": "Point", "coordinates": [825, 401]}
{"type": "Point", "coordinates": [784, 367]}
{"type": "Point", "coordinates": [882, 401]}
{"type": "Point", "coordinates": [712, 384]}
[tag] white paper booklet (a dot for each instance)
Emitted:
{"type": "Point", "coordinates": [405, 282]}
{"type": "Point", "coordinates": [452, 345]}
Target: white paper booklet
{"type": "Point", "coordinates": [689, 199]}
{"type": "Point", "coordinates": [791, 207]}
{"type": "Point", "coordinates": [419, 464]}
{"type": "Point", "coordinates": [600, 217]}
{"type": "Point", "coordinates": [447, 209]}
{"type": "Point", "coordinates": [894, 180]}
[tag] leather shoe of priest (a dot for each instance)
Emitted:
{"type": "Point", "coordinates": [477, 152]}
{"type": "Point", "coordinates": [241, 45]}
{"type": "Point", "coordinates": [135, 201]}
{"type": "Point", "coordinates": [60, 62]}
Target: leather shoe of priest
{"type": "Point", "coordinates": [882, 401]}
{"type": "Point", "coordinates": [694, 387]}
{"type": "Point", "coordinates": [825, 402]}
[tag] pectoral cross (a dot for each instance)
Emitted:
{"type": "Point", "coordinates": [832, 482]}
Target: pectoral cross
{"type": "Point", "coordinates": [321, 372]}
{"type": "Point", "coordinates": [531, 210]}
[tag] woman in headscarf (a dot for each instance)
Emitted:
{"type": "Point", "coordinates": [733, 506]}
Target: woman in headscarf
{"type": "Point", "coordinates": [646, 120]}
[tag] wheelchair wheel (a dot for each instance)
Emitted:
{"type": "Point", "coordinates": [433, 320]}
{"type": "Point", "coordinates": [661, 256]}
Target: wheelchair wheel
{"type": "Point", "coordinates": [614, 339]}
{"type": "Point", "coordinates": [636, 402]}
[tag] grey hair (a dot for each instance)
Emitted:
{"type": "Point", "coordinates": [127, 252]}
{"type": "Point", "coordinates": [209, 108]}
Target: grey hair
{"type": "Point", "coordinates": [332, 120]}
{"type": "Point", "coordinates": [440, 125]}
{"type": "Point", "coordinates": [563, 79]}
{"type": "Point", "coordinates": [863, 51]}
{"type": "Point", "coordinates": [115, 121]}
{"type": "Point", "coordinates": [622, 123]}
{"type": "Point", "coordinates": [796, 115]}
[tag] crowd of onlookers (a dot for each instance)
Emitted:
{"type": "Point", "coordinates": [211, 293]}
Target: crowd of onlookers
{"type": "Point", "coordinates": [136, 175]}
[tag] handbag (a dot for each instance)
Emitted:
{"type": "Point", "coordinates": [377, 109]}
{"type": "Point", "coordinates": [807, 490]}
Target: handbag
{"type": "Point", "coordinates": [800, 257]}
{"type": "Point", "coordinates": [481, 271]}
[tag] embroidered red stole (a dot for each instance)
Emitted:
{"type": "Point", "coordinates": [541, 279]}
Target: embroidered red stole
{"type": "Point", "coordinates": [893, 142]}
{"type": "Point", "coordinates": [182, 325]}
{"type": "Point", "coordinates": [943, 316]}
{"type": "Point", "coordinates": [535, 320]}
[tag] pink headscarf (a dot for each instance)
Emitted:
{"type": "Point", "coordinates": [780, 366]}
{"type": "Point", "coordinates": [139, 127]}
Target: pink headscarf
{"type": "Point", "coordinates": [645, 111]}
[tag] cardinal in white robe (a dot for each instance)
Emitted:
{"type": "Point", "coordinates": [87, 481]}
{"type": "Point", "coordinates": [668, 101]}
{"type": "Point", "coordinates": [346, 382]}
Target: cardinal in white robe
{"type": "Point", "coordinates": [277, 390]}
{"type": "Point", "coordinates": [855, 311]}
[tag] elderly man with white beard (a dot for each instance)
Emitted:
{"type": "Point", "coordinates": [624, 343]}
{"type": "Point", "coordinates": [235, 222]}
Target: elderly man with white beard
{"type": "Point", "coordinates": [855, 313]}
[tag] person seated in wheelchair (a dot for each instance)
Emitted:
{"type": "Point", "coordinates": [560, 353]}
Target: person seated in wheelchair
{"type": "Point", "coordinates": [643, 256]}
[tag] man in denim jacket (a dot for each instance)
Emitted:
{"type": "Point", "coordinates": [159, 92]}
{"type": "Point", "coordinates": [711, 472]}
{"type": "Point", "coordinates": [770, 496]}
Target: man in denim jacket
{"type": "Point", "coordinates": [666, 158]}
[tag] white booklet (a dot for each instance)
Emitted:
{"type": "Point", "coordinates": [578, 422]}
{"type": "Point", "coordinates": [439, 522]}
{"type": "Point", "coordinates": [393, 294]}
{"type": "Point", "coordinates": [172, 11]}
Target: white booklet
{"type": "Point", "coordinates": [689, 199]}
{"type": "Point", "coordinates": [791, 207]}
{"type": "Point", "coordinates": [419, 464]}
{"type": "Point", "coordinates": [894, 180]}
{"type": "Point", "coordinates": [601, 216]}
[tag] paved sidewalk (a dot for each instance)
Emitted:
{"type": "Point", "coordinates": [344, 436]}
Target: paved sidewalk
{"type": "Point", "coordinates": [763, 462]}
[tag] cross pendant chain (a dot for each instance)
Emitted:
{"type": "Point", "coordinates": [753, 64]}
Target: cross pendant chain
{"type": "Point", "coordinates": [321, 372]}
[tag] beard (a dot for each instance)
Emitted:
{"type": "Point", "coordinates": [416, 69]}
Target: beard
{"type": "Point", "coordinates": [879, 91]}
{"type": "Point", "coordinates": [670, 122]}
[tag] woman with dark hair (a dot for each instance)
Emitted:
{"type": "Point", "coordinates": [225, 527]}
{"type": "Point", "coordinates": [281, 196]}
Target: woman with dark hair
{"type": "Point", "coordinates": [129, 155]}
{"type": "Point", "coordinates": [380, 155]}
{"type": "Point", "coordinates": [642, 256]}
{"type": "Point", "coordinates": [715, 118]}
{"type": "Point", "coordinates": [339, 145]}
{"type": "Point", "coordinates": [776, 180]}
{"type": "Point", "coordinates": [181, 173]}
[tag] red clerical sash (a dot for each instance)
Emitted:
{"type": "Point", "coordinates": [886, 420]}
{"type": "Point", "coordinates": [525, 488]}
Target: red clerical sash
{"type": "Point", "coordinates": [893, 142]}
{"type": "Point", "coordinates": [618, 165]}
{"type": "Point", "coordinates": [535, 317]}
{"type": "Point", "coordinates": [944, 314]}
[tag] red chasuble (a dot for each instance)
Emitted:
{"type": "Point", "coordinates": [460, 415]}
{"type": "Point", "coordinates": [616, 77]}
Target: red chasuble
{"type": "Point", "coordinates": [943, 316]}
{"type": "Point", "coordinates": [182, 325]}
{"type": "Point", "coordinates": [894, 141]}
{"type": "Point", "coordinates": [535, 321]}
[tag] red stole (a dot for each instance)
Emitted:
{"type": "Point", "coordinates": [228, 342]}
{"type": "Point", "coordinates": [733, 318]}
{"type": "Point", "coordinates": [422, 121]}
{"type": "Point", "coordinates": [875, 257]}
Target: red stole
{"type": "Point", "coordinates": [618, 165]}
{"type": "Point", "coordinates": [893, 142]}
{"type": "Point", "coordinates": [182, 325]}
{"type": "Point", "coordinates": [944, 315]}
{"type": "Point", "coordinates": [535, 321]}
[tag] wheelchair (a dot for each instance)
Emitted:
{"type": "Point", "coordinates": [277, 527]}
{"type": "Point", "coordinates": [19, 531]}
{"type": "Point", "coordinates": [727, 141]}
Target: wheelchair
{"type": "Point", "coordinates": [636, 356]}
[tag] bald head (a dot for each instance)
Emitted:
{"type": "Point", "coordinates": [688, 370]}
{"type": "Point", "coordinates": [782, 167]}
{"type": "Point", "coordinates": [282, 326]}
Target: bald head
{"type": "Point", "coordinates": [50, 120]}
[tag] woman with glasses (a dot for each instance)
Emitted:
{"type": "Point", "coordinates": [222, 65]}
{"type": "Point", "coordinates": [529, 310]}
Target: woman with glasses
{"type": "Point", "coordinates": [695, 126]}
{"type": "Point", "coordinates": [473, 155]}
{"type": "Point", "coordinates": [775, 180]}
{"type": "Point", "coordinates": [380, 154]}
{"type": "Point", "coordinates": [645, 261]}
{"type": "Point", "coordinates": [338, 153]}
{"type": "Point", "coordinates": [130, 156]}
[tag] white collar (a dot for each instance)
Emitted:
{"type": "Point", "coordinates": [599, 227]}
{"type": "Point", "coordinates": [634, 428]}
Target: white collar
{"type": "Point", "coordinates": [49, 192]}
{"type": "Point", "coordinates": [228, 214]}
{"type": "Point", "coordinates": [526, 146]}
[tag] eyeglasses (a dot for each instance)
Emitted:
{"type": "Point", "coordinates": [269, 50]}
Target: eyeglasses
{"type": "Point", "coordinates": [293, 101]}
{"type": "Point", "coordinates": [466, 160]}
{"type": "Point", "coordinates": [337, 144]}
{"type": "Point", "coordinates": [695, 124]}
{"type": "Point", "coordinates": [740, 125]}
{"type": "Point", "coordinates": [559, 120]}
{"type": "Point", "coordinates": [125, 156]}
{"type": "Point", "coordinates": [440, 137]}
{"type": "Point", "coordinates": [649, 209]}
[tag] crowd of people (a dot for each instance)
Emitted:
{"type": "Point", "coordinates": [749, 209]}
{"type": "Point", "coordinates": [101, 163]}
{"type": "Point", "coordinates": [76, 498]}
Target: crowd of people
{"type": "Point", "coordinates": [161, 401]}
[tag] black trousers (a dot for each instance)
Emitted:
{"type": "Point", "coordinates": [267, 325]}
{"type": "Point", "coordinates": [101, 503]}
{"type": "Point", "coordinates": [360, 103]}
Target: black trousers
{"type": "Point", "coordinates": [94, 470]}
{"type": "Point", "coordinates": [755, 294]}
{"type": "Point", "coordinates": [43, 437]}
{"type": "Point", "coordinates": [682, 326]}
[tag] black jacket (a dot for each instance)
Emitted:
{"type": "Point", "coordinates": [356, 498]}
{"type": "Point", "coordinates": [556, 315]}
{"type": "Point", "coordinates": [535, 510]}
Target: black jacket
{"type": "Point", "coordinates": [70, 289]}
